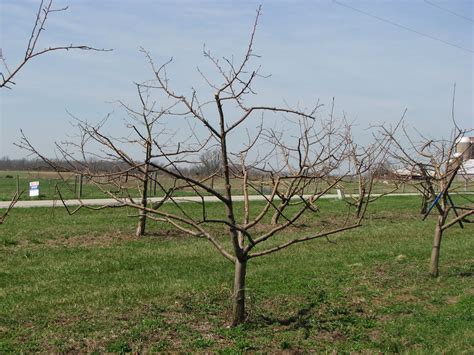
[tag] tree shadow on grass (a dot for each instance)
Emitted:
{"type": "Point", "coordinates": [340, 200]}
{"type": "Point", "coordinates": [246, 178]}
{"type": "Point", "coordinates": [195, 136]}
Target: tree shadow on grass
{"type": "Point", "coordinates": [322, 318]}
{"type": "Point", "coordinates": [303, 317]}
{"type": "Point", "coordinates": [300, 320]}
{"type": "Point", "coordinates": [462, 271]}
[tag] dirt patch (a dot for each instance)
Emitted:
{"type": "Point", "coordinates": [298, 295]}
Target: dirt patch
{"type": "Point", "coordinates": [452, 299]}
{"type": "Point", "coordinates": [406, 297]}
{"type": "Point", "coordinates": [167, 234]}
{"type": "Point", "coordinates": [93, 240]}
{"type": "Point", "coordinates": [88, 240]}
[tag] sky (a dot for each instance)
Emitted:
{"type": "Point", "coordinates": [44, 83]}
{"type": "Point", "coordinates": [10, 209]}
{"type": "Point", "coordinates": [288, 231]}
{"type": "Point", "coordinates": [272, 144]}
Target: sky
{"type": "Point", "coordinates": [314, 50]}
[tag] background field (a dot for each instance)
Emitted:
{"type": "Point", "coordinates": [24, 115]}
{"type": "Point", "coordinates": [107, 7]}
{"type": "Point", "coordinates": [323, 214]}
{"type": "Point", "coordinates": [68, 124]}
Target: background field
{"type": "Point", "coordinates": [83, 283]}
{"type": "Point", "coordinates": [70, 188]}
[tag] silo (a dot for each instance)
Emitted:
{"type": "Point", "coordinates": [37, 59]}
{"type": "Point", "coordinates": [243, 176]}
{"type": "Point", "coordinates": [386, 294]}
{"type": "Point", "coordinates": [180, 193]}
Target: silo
{"type": "Point", "coordinates": [463, 146]}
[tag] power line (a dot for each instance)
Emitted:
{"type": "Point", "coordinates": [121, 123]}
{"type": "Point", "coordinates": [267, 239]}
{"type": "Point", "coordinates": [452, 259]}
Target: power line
{"type": "Point", "coordinates": [404, 27]}
{"type": "Point", "coordinates": [448, 10]}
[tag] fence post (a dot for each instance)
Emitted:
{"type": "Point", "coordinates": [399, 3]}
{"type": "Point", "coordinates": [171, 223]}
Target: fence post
{"type": "Point", "coordinates": [18, 184]}
{"type": "Point", "coordinates": [80, 186]}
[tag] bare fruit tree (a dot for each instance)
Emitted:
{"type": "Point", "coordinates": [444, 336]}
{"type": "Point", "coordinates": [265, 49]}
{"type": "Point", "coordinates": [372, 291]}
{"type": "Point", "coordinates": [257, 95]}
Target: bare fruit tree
{"type": "Point", "coordinates": [303, 155]}
{"type": "Point", "coordinates": [124, 176]}
{"type": "Point", "coordinates": [434, 166]}
{"type": "Point", "coordinates": [367, 162]}
{"type": "Point", "coordinates": [142, 122]}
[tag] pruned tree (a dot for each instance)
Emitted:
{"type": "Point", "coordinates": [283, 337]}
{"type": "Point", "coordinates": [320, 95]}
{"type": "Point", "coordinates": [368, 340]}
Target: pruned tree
{"type": "Point", "coordinates": [367, 162]}
{"type": "Point", "coordinates": [128, 158]}
{"type": "Point", "coordinates": [142, 123]}
{"type": "Point", "coordinates": [436, 164]}
{"type": "Point", "coordinates": [305, 155]}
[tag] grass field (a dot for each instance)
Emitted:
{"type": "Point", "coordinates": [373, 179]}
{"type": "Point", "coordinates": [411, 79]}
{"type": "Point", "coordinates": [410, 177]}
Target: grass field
{"type": "Point", "coordinates": [70, 188]}
{"type": "Point", "coordinates": [10, 180]}
{"type": "Point", "coordinates": [84, 284]}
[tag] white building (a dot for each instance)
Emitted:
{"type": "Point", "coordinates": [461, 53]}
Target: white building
{"type": "Point", "coordinates": [465, 147]}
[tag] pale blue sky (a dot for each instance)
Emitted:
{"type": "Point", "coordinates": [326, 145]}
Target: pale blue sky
{"type": "Point", "coordinates": [313, 49]}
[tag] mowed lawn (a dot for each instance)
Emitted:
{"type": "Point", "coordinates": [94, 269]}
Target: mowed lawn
{"type": "Point", "coordinates": [83, 283]}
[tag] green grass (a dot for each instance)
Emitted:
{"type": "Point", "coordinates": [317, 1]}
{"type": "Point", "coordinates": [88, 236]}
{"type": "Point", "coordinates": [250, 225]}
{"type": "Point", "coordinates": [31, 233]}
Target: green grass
{"type": "Point", "coordinates": [84, 284]}
{"type": "Point", "coordinates": [50, 181]}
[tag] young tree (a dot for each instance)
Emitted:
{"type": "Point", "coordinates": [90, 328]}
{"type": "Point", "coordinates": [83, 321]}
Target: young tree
{"type": "Point", "coordinates": [435, 163]}
{"type": "Point", "coordinates": [367, 162]}
{"type": "Point", "coordinates": [142, 123]}
{"type": "Point", "coordinates": [109, 162]}
{"type": "Point", "coordinates": [304, 160]}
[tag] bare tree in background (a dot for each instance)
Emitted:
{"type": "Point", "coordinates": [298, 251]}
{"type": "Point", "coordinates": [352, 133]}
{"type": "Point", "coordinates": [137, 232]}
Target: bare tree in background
{"type": "Point", "coordinates": [367, 162]}
{"type": "Point", "coordinates": [209, 162]}
{"type": "Point", "coordinates": [304, 159]}
{"type": "Point", "coordinates": [7, 74]}
{"type": "Point", "coordinates": [435, 164]}
{"type": "Point", "coordinates": [142, 122]}
{"type": "Point", "coordinates": [128, 158]}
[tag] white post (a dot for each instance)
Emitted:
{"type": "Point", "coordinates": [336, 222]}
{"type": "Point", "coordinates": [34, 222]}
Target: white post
{"type": "Point", "coordinates": [340, 194]}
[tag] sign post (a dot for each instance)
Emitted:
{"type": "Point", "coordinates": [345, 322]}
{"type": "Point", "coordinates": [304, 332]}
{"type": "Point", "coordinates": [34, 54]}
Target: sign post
{"type": "Point", "coordinates": [34, 188]}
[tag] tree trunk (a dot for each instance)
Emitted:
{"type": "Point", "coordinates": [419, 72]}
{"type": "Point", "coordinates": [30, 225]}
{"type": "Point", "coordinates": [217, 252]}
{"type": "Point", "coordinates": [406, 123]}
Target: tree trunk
{"type": "Point", "coordinates": [146, 185]}
{"type": "Point", "coordinates": [239, 292]}
{"type": "Point", "coordinates": [424, 205]}
{"type": "Point", "coordinates": [142, 215]}
{"type": "Point", "coordinates": [435, 252]}
{"type": "Point", "coordinates": [278, 211]}
{"type": "Point", "coordinates": [275, 218]}
{"type": "Point", "coordinates": [141, 224]}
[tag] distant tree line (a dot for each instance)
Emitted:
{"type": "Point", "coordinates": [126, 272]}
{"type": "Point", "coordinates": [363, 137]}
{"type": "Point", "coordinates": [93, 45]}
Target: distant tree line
{"type": "Point", "coordinates": [39, 165]}
{"type": "Point", "coordinates": [208, 163]}
{"type": "Point", "coordinates": [22, 164]}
